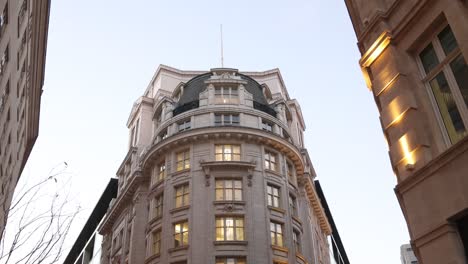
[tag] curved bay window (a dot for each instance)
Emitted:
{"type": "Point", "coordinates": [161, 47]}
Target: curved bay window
{"type": "Point", "coordinates": [446, 74]}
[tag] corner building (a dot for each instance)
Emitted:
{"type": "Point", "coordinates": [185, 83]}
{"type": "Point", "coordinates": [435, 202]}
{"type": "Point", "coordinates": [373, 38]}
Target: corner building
{"type": "Point", "coordinates": [414, 57]}
{"type": "Point", "coordinates": [216, 173]}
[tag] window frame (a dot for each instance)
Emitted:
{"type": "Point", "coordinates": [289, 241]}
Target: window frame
{"type": "Point", "coordinates": [224, 260]}
{"type": "Point", "coordinates": [268, 161]}
{"type": "Point", "coordinates": [237, 231]}
{"type": "Point", "coordinates": [271, 197]}
{"type": "Point", "coordinates": [274, 234]}
{"type": "Point", "coordinates": [157, 206]}
{"type": "Point", "coordinates": [159, 172]}
{"type": "Point", "coordinates": [184, 195]}
{"type": "Point", "coordinates": [297, 241]}
{"type": "Point", "coordinates": [267, 125]}
{"type": "Point", "coordinates": [184, 125]}
{"type": "Point", "coordinates": [292, 202]}
{"type": "Point", "coordinates": [156, 243]}
{"type": "Point", "coordinates": [232, 154]}
{"type": "Point", "coordinates": [226, 95]}
{"type": "Point", "coordinates": [225, 190]}
{"type": "Point", "coordinates": [444, 66]}
{"type": "Point", "coordinates": [231, 119]}
{"type": "Point", "coordinates": [181, 232]}
{"type": "Point", "coordinates": [184, 162]}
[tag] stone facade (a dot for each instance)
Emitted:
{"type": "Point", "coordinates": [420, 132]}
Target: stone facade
{"type": "Point", "coordinates": [414, 62]}
{"type": "Point", "coordinates": [23, 38]}
{"type": "Point", "coordinates": [216, 172]}
{"type": "Point", "coordinates": [407, 255]}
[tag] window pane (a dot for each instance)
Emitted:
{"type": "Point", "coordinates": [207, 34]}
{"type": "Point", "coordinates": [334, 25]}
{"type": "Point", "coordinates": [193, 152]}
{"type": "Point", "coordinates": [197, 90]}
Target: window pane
{"type": "Point", "coordinates": [185, 238]}
{"type": "Point", "coordinates": [240, 233]}
{"type": "Point", "coordinates": [238, 195]}
{"type": "Point", "coordinates": [447, 107]}
{"type": "Point", "coordinates": [460, 70]}
{"type": "Point", "coordinates": [447, 39]}
{"type": "Point", "coordinates": [219, 194]}
{"type": "Point", "coordinates": [429, 58]}
{"type": "Point", "coordinates": [229, 194]}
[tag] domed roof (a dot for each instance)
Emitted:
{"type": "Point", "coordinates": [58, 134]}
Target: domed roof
{"type": "Point", "coordinates": [192, 89]}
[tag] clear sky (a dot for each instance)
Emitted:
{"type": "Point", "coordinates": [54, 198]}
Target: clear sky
{"type": "Point", "coordinates": [102, 54]}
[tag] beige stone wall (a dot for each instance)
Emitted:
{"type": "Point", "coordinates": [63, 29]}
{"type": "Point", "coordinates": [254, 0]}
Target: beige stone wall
{"type": "Point", "coordinates": [429, 167]}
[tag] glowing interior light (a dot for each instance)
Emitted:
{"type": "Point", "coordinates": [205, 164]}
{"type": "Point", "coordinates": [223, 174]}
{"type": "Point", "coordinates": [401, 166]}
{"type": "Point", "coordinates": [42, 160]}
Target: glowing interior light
{"type": "Point", "coordinates": [408, 155]}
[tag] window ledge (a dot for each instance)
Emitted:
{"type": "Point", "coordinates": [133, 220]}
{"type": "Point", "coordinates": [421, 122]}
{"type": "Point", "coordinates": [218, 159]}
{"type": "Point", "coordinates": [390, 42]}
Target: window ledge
{"type": "Point", "coordinates": [178, 209]}
{"type": "Point", "coordinates": [274, 172]}
{"type": "Point", "coordinates": [178, 248]}
{"type": "Point", "coordinates": [301, 257]}
{"type": "Point", "coordinates": [283, 249]}
{"type": "Point", "coordinates": [155, 185]}
{"type": "Point", "coordinates": [230, 242]}
{"type": "Point", "coordinates": [214, 163]}
{"type": "Point", "coordinates": [152, 257]}
{"type": "Point", "coordinates": [277, 209]}
{"type": "Point", "coordinates": [229, 202]}
{"type": "Point", "coordinates": [176, 173]}
{"type": "Point", "coordinates": [154, 220]}
{"type": "Point", "coordinates": [295, 218]}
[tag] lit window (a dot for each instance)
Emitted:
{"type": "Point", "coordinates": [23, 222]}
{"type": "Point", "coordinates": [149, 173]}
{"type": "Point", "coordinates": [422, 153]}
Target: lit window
{"type": "Point", "coordinates": [158, 206]}
{"type": "Point", "coordinates": [182, 195]}
{"type": "Point", "coordinates": [276, 232]}
{"type": "Point", "coordinates": [226, 95]}
{"type": "Point", "coordinates": [448, 81]}
{"type": "Point", "coordinates": [267, 125]}
{"type": "Point", "coordinates": [156, 247]}
{"type": "Point", "coordinates": [270, 161]}
{"type": "Point", "coordinates": [230, 261]}
{"type": "Point", "coordinates": [181, 234]}
{"type": "Point", "coordinates": [228, 190]}
{"type": "Point", "coordinates": [185, 125]}
{"type": "Point", "coordinates": [159, 172]}
{"type": "Point", "coordinates": [229, 228]}
{"type": "Point", "coordinates": [183, 160]}
{"type": "Point", "coordinates": [297, 241]}
{"type": "Point", "coordinates": [227, 152]}
{"type": "Point", "coordinates": [226, 120]}
{"type": "Point", "coordinates": [293, 205]}
{"type": "Point", "coordinates": [273, 196]}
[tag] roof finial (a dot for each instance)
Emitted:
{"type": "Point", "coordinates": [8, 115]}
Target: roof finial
{"type": "Point", "coordinates": [222, 51]}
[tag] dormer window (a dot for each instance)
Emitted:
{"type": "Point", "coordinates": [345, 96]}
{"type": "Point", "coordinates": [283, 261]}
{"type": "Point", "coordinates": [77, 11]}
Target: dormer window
{"type": "Point", "coordinates": [226, 95]}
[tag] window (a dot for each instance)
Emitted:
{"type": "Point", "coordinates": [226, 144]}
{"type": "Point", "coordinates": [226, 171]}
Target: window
{"type": "Point", "coordinates": [293, 205]}
{"type": "Point", "coordinates": [183, 160]}
{"type": "Point", "coordinates": [159, 172]}
{"type": "Point", "coordinates": [267, 126]}
{"type": "Point", "coordinates": [236, 260]}
{"type": "Point", "coordinates": [270, 161]}
{"type": "Point", "coordinates": [182, 195]}
{"type": "Point", "coordinates": [181, 234]}
{"type": "Point", "coordinates": [156, 242]}
{"type": "Point", "coordinates": [227, 152]}
{"type": "Point", "coordinates": [276, 232]}
{"type": "Point", "coordinates": [158, 206]}
{"type": "Point", "coordinates": [297, 241]}
{"type": "Point", "coordinates": [226, 95]}
{"type": "Point", "coordinates": [228, 190]}
{"type": "Point", "coordinates": [163, 135]}
{"type": "Point", "coordinates": [273, 196]}
{"type": "Point", "coordinates": [226, 120]}
{"type": "Point", "coordinates": [185, 125]}
{"type": "Point", "coordinates": [448, 81]}
{"type": "Point", "coordinates": [290, 171]}
{"type": "Point", "coordinates": [229, 228]}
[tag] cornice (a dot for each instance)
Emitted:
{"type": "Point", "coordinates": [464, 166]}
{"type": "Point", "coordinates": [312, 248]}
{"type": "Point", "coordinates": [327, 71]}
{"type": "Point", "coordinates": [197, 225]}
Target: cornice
{"type": "Point", "coordinates": [123, 200]}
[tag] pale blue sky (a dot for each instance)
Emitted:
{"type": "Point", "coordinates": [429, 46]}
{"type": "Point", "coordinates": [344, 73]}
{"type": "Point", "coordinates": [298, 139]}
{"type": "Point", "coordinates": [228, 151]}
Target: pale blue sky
{"type": "Point", "coordinates": [102, 54]}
